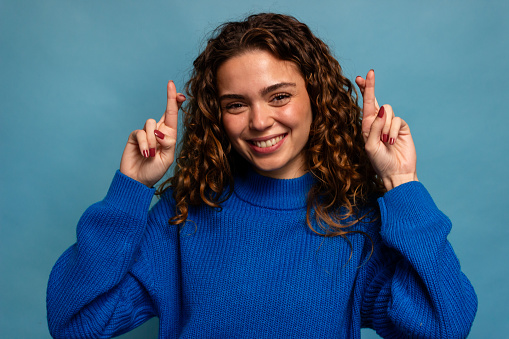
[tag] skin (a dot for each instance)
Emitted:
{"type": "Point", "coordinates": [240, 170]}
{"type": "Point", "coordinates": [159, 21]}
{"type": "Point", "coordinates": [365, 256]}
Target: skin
{"type": "Point", "coordinates": [263, 98]}
{"type": "Point", "coordinates": [286, 111]}
{"type": "Point", "coordinates": [147, 157]}
{"type": "Point", "coordinates": [387, 138]}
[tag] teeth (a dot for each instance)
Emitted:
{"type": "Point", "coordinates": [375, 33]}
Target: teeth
{"type": "Point", "coordinates": [268, 143]}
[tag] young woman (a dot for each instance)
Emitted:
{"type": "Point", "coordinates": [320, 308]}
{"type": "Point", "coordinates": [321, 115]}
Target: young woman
{"type": "Point", "coordinates": [288, 215]}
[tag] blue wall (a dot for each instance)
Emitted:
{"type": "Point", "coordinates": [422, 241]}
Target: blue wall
{"type": "Point", "coordinates": [77, 76]}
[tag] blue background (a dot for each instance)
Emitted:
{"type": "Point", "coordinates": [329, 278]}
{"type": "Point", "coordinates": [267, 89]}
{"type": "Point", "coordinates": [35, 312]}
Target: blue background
{"type": "Point", "coordinates": [77, 76]}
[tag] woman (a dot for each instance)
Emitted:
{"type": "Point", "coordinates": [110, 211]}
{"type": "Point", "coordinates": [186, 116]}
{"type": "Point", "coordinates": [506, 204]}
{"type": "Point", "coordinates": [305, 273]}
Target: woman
{"type": "Point", "coordinates": [287, 215]}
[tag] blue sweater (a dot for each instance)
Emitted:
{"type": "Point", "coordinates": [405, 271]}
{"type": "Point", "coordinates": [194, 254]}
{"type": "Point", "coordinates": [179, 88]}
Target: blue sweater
{"type": "Point", "coordinates": [255, 270]}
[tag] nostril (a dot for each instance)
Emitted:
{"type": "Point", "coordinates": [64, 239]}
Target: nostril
{"type": "Point", "coordinates": [261, 122]}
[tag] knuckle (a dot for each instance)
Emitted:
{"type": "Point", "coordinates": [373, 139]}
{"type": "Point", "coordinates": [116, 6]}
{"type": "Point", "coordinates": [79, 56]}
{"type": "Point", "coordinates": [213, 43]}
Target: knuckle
{"type": "Point", "coordinates": [370, 148]}
{"type": "Point", "coordinates": [150, 122]}
{"type": "Point", "coordinates": [140, 136]}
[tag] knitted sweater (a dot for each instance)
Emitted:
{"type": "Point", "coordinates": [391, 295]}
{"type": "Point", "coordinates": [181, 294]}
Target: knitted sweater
{"type": "Point", "coordinates": [254, 269]}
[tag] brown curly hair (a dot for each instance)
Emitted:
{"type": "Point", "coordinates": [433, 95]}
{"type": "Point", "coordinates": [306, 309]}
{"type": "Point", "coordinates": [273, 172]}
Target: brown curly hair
{"type": "Point", "coordinates": [334, 153]}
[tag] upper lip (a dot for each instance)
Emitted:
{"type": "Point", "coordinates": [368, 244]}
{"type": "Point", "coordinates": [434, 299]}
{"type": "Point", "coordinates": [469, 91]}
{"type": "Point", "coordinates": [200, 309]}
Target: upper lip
{"type": "Point", "coordinates": [260, 139]}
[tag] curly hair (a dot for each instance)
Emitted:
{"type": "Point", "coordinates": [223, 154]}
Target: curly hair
{"type": "Point", "coordinates": [334, 153]}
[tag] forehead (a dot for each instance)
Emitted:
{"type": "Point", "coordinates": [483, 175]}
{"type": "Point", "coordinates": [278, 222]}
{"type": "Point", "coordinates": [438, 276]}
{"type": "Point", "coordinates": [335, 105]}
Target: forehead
{"type": "Point", "coordinates": [254, 70]}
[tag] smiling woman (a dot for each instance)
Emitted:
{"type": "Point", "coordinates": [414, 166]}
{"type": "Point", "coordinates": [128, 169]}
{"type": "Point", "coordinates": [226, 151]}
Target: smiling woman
{"type": "Point", "coordinates": [266, 112]}
{"type": "Point", "coordinates": [289, 214]}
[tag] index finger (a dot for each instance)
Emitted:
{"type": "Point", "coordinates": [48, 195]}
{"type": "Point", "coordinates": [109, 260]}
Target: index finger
{"type": "Point", "coordinates": [368, 96]}
{"type": "Point", "coordinates": [171, 113]}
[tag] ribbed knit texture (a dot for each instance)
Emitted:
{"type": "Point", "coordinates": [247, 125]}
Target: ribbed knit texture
{"type": "Point", "coordinates": [254, 269]}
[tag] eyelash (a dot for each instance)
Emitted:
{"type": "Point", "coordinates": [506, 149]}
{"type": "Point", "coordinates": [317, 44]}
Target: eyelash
{"type": "Point", "coordinates": [233, 105]}
{"type": "Point", "coordinates": [281, 96]}
{"type": "Point", "coordinates": [276, 99]}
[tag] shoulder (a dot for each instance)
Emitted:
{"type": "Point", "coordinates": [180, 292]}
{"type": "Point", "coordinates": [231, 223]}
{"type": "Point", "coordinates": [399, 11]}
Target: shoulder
{"type": "Point", "coordinates": [163, 205]}
{"type": "Point", "coordinates": [367, 218]}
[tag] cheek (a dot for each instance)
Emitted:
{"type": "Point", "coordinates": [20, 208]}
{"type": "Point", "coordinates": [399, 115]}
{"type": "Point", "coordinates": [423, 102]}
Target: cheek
{"type": "Point", "coordinates": [298, 120]}
{"type": "Point", "coordinates": [232, 124]}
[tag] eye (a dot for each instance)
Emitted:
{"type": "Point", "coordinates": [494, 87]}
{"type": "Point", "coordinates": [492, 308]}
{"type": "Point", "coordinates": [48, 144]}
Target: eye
{"type": "Point", "coordinates": [234, 107]}
{"type": "Point", "coordinates": [281, 99]}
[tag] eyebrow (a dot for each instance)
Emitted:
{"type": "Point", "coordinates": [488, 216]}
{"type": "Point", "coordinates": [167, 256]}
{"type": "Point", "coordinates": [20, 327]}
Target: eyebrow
{"type": "Point", "coordinates": [274, 87]}
{"type": "Point", "coordinates": [263, 92]}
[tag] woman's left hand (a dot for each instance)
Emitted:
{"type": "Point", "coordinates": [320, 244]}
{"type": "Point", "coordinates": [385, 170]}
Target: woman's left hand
{"type": "Point", "coordinates": [387, 138]}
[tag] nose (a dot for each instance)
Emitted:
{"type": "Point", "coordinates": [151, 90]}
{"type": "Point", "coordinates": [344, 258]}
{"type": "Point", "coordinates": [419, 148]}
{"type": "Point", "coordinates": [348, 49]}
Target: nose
{"type": "Point", "coordinates": [260, 118]}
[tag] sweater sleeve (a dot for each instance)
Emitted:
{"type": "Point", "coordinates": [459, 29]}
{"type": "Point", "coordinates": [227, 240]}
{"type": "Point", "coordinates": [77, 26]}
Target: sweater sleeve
{"type": "Point", "coordinates": [415, 285]}
{"type": "Point", "coordinates": [93, 290]}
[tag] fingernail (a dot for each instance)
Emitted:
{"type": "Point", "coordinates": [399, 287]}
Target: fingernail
{"type": "Point", "coordinates": [385, 137]}
{"type": "Point", "coordinates": [145, 153]}
{"type": "Point", "coordinates": [381, 112]}
{"type": "Point", "coordinates": [159, 134]}
{"type": "Point", "coordinates": [182, 96]}
{"type": "Point", "coordinates": [152, 152]}
{"type": "Point", "coordinates": [391, 141]}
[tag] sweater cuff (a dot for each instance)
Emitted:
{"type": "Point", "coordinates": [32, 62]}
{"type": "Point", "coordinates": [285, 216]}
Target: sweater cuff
{"type": "Point", "coordinates": [409, 207]}
{"type": "Point", "coordinates": [129, 195]}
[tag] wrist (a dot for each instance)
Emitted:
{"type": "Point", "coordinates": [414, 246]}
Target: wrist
{"type": "Point", "coordinates": [396, 180]}
{"type": "Point", "coordinates": [149, 182]}
{"type": "Point", "coordinates": [129, 195]}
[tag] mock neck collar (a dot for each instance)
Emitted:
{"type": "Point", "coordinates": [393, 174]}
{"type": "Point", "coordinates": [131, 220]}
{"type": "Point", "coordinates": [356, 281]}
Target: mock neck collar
{"type": "Point", "coordinates": [280, 194]}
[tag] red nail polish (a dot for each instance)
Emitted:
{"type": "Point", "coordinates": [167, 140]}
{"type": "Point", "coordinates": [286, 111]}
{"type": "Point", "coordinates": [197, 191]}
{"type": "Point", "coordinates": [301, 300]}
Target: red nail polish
{"type": "Point", "coordinates": [385, 137]}
{"type": "Point", "coordinates": [152, 152]}
{"type": "Point", "coordinates": [159, 134]}
{"type": "Point", "coordinates": [391, 141]}
{"type": "Point", "coordinates": [381, 112]}
{"type": "Point", "coordinates": [145, 153]}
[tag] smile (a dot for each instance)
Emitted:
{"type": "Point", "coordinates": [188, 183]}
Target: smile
{"type": "Point", "coordinates": [268, 143]}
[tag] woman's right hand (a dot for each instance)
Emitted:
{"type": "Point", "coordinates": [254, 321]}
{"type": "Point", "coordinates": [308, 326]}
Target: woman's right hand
{"type": "Point", "coordinates": [150, 151]}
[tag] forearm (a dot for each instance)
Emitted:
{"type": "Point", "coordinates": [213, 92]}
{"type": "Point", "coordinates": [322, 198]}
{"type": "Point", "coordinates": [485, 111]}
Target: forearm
{"type": "Point", "coordinates": [424, 292]}
{"type": "Point", "coordinates": [94, 274]}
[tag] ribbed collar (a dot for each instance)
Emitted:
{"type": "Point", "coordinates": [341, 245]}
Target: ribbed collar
{"type": "Point", "coordinates": [280, 194]}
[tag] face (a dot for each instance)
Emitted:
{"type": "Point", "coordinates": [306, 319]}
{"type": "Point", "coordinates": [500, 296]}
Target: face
{"type": "Point", "coordinates": [266, 112]}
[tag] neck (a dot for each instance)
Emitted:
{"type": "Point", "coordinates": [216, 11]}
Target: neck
{"type": "Point", "coordinates": [273, 193]}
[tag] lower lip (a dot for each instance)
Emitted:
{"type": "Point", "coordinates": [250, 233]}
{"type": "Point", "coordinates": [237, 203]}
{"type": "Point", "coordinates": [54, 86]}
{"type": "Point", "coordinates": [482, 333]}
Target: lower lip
{"type": "Point", "coordinates": [265, 150]}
